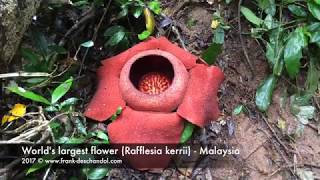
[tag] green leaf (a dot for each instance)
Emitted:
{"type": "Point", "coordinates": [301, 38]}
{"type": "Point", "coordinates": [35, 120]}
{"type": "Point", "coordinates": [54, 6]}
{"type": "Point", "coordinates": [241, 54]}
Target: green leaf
{"type": "Point", "coordinates": [58, 49]}
{"type": "Point", "coordinates": [155, 6]}
{"type": "Point", "coordinates": [250, 16]}
{"type": "Point", "coordinates": [314, 8]}
{"type": "Point", "coordinates": [71, 140]}
{"type": "Point", "coordinates": [34, 80]}
{"type": "Point", "coordinates": [303, 113]}
{"type": "Point", "coordinates": [293, 51]}
{"type": "Point", "coordinates": [103, 136]}
{"type": "Point", "coordinates": [69, 102]}
{"type": "Point", "coordinates": [61, 90]}
{"type": "Point", "coordinates": [37, 166]}
{"type": "Point", "coordinates": [297, 10]}
{"type": "Point", "coordinates": [116, 114]}
{"type": "Point", "coordinates": [144, 35]}
{"type": "Point", "coordinates": [264, 93]}
{"type": "Point", "coordinates": [137, 11]}
{"type": "Point", "coordinates": [270, 53]}
{"type": "Point", "coordinates": [218, 35]}
{"type": "Point", "coordinates": [80, 126]}
{"type": "Point", "coordinates": [187, 132]}
{"type": "Point", "coordinates": [278, 67]}
{"type": "Point", "coordinates": [87, 44]}
{"type": "Point", "coordinates": [123, 12]}
{"type": "Point", "coordinates": [313, 76]}
{"type": "Point", "coordinates": [315, 37]}
{"type": "Point", "coordinates": [116, 38]}
{"type": "Point", "coordinates": [28, 94]}
{"type": "Point", "coordinates": [210, 55]}
{"type": "Point", "coordinates": [51, 109]}
{"type": "Point", "coordinates": [274, 51]}
{"type": "Point", "coordinates": [268, 6]}
{"type": "Point", "coordinates": [96, 173]}
{"type": "Point", "coordinates": [40, 41]}
{"type": "Point", "coordinates": [228, 1]}
{"type": "Point", "coordinates": [112, 30]}
{"type": "Point", "coordinates": [313, 27]}
{"type": "Point", "coordinates": [119, 110]}
{"type": "Point", "coordinates": [238, 110]}
{"type": "Point", "coordinates": [268, 22]}
{"type": "Point", "coordinates": [285, 2]}
{"type": "Point", "coordinates": [30, 55]}
{"type": "Point", "coordinates": [80, 3]}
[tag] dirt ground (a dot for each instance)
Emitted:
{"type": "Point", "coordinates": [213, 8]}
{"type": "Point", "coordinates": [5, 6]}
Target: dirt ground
{"type": "Point", "coordinates": [265, 150]}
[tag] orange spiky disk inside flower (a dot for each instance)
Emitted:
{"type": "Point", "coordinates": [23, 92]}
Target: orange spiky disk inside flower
{"type": "Point", "coordinates": [154, 83]}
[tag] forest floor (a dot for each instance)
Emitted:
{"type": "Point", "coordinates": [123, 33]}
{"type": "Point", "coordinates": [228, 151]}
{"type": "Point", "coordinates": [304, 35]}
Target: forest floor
{"type": "Point", "coordinates": [265, 150]}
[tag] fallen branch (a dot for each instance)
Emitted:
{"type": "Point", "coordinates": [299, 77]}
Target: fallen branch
{"type": "Point", "coordinates": [24, 74]}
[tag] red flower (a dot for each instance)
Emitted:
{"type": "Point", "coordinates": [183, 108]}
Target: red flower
{"type": "Point", "coordinates": [159, 86]}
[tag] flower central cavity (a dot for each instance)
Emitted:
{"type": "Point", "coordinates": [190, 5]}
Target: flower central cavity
{"type": "Point", "coordinates": [154, 83]}
{"type": "Point", "coordinates": [151, 74]}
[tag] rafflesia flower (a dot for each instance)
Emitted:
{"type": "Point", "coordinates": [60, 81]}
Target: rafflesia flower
{"type": "Point", "coordinates": [159, 86]}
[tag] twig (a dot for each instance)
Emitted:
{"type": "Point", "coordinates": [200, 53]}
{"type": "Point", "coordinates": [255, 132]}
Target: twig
{"type": "Point", "coordinates": [281, 143]}
{"type": "Point", "coordinates": [95, 35]}
{"type": "Point", "coordinates": [175, 30]}
{"type": "Point", "coordinates": [292, 165]}
{"type": "Point", "coordinates": [255, 150]}
{"type": "Point", "coordinates": [24, 74]}
{"type": "Point", "coordinates": [88, 15]}
{"type": "Point", "coordinates": [47, 172]}
{"type": "Point", "coordinates": [244, 49]}
{"type": "Point", "coordinates": [313, 127]}
{"type": "Point", "coordinates": [276, 136]}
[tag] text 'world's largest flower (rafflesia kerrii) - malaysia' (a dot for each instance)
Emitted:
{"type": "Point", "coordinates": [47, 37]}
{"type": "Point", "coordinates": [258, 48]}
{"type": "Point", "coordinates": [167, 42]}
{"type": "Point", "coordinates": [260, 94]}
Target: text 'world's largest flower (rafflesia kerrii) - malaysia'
{"type": "Point", "coordinates": [159, 86]}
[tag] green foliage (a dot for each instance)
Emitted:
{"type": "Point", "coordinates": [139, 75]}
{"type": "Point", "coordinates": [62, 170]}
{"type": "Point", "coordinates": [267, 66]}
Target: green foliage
{"type": "Point", "coordinates": [250, 16]}
{"type": "Point", "coordinates": [116, 114]}
{"type": "Point", "coordinates": [155, 6]}
{"type": "Point", "coordinates": [96, 173]}
{"type": "Point", "coordinates": [297, 10]}
{"type": "Point", "coordinates": [28, 94]}
{"type": "Point", "coordinates": [116, 36]}
{"type": "Point", "coordinates": [287, 41]}
{"type": "Point", "coordinates": [293, 51]}
{"type": "Point", "coordinates": [187, 132]}
{"type": "Point", "coordinates": [264, 93]}
{"type": "Point", "coordinates": [87, 44]}
{"type": "Point", "coordinates": [61, 90]}
{"type": "Point", "coordinates": [43, 57]}
{"type": "Point", "coordinates": [268, 6]}
{"type": "Point", "coordinates": [210, 55]}
{"type": "Point", "coordinates": [314, 9]}
{"type": "Point", "coordinates": [144, 35]}
{"type": "Point", "coordinates": [56, 95]}
{"type": "Point", "coordinates": [239, 109]}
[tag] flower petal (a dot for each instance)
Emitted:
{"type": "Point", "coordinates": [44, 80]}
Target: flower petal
{"type": "Point", "coordinates": [145, 127]}
{"type": "Point", "coordinates": [188, 59]}
{"type": "Point", "coordinates": [107, 97]}
{"type": "Point", "coordinates": [142, 127]}
{"type": "Point", "coordinates": [200, 105]}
